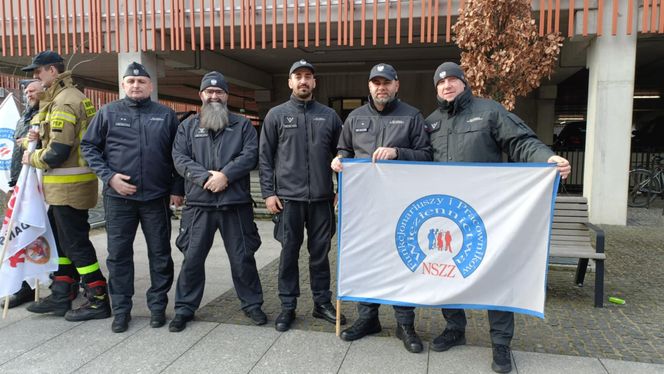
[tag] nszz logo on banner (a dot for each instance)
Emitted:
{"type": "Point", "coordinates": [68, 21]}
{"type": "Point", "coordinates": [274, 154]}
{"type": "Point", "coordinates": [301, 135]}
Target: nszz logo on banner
{"type": "Point", "coordinates": [450, 231]}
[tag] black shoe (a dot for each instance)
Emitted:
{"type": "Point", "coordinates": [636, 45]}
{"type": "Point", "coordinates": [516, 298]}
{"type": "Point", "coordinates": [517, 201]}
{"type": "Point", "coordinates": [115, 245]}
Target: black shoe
{"type": "Point", "coordinates": [448, 339]}
{"type": "Point", "coordinates": [409, 337]}
{"type": "Point", "coordinates": [157, 319]}
{"type": "Point", "coordinates": [328, 313]}
{"type": "Point", "coordinates": [284, 320]}
{"type": "Point", "coordinates": [63, 291]}
{"type": "Point", "coordinates": [24, 295]}
{"type": "Point", "coordinates": [50, 304]}
{"type": "Point", "coordinates": [121, 322]}
{"type": "Point", "coordinates": [179, 322]}
{"type": "Point", "coordinates": [502, 358]}
{"type": "Point", "coordinates": [361, 328]}
{"type": "Point", "coordinates": [257, 316]}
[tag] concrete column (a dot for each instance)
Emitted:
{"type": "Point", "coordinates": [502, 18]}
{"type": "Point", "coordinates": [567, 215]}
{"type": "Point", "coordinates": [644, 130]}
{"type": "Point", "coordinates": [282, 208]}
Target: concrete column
{"type": "Point", "coordinates": [147, 59]}
{"type": "Point", "coordinates": [611, 61]}
{"type": "Point", "coordinates": [546, 113]}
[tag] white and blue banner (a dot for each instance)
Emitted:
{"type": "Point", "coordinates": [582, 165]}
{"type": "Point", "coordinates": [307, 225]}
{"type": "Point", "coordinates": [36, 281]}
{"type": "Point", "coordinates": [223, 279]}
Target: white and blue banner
{"type": "Point", "coordinates": [459, 235]}
{"type": "Point", "coordinates": [8, 117]}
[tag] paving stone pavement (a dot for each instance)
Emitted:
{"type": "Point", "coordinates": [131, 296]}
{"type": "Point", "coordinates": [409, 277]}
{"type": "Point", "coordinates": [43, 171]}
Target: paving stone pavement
{"type": "Point", "coordinates": [572, 326]}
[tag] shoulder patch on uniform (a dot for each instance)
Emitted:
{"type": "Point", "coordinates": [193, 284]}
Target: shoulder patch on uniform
{"type": "Point", "coordinates": [89, 107]}
{"type": "Point", "coordinates": [434, 125]}
{"type": "Point", "coordinates": [57, 124]}
{"type": "Point", "coordinates": [156, 119]}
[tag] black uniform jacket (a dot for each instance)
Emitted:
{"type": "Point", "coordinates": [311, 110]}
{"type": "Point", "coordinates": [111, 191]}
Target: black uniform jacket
{"type": "Point", "coordinates": [298, 141]}
{"type": "Point", "coordinates": [472, 129]}
{"type": "Point", "coordinates": [134, 138]}
{"type": "Point", "coordinates": [233, 151]}
{"type": "Point", "coordinates": [398, 125]}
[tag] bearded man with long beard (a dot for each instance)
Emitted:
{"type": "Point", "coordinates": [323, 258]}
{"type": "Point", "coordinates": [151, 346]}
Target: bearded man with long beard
{"type": "Point", "coordinates": [214, 152]}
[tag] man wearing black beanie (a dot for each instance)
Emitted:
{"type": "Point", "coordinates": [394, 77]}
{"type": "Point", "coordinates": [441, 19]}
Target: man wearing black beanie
{"type": "Point", "coordinates": [466, 128]}
{"type": "Point", "coordinates": [215, 151]}
{"type": "Point", "coordinates": [128, 145]}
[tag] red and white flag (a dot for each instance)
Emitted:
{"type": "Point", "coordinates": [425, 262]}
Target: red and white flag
{"type": "Point", "coordinates": [31, 252]}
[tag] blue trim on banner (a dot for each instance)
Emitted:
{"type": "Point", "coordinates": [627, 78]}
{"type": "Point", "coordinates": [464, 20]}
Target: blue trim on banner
{"type": "Point", "coordinates": [476, 164]}
{"type": "Point", "coordinates": [450, 306]}
{"type": "Point", "coordinates": [556, 183]}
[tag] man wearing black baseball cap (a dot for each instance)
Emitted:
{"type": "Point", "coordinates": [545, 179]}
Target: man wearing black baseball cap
{"type": "Point", "coordinates": [298, 141]}
{"type": "Point", "coordinates": [215, 152]}
{"type": "Point", "coordinates": [43, 59]}
{"type": "Point", "coordinates": [139, 184]}
{"type": "Point", "coordinates": [402, 137]}
{"type": "Point", "coordinates": [494, 131]}
{"type": "Point", "coordinates": [70, 189]}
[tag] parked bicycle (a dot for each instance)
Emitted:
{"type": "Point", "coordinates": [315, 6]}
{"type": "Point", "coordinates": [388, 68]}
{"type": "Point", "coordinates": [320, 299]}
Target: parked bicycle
{"type": "Point", "coordinates": [646, 184]}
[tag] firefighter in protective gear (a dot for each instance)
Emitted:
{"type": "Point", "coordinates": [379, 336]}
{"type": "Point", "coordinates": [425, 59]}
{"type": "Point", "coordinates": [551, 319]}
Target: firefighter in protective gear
{"type": "Point", "coordinates": [70, 188]}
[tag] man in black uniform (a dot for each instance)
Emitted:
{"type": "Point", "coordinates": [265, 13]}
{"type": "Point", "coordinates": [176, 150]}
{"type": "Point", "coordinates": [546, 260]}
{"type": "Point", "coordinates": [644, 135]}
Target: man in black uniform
{"type": "Point", "coordinates": [384, 129]}
{"type": "Point", "coordinates": [298, 142]}
{"type": "Point", "coordinates": [31, 92]}
{"type": "Point", "coordinates": [214, 152]}
{"type": "Point", "coordinates": [466, 128]}
{"type": "Point", "coordinates": [128, 145]}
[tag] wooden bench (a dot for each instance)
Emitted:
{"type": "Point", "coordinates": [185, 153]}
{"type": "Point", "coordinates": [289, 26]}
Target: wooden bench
{"type": "Point", "coordinates": [571, 238]}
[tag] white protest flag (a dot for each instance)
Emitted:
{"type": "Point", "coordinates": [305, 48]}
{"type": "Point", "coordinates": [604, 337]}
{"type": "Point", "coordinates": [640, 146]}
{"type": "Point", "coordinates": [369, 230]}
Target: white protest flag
{"type": "Point", "coordinates": [31, 252]}
{"type": "Point", "coordinates": [472, 236]}
{"type": "Point", "coordinates": [9, 116]}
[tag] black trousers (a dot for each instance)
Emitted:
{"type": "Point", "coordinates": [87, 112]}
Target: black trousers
{"type": "Point", "coordinates": [501, 324]}
{"type": "Point", "coordinates": [404, 315]}
{"type": "Point", "coordinates": [318, 218]}
{"type": "Point", "coordinates": [72, 233]}
{"type": "Point", "coordinates": [122, 219]}
{"type": "Point", "coordinates": [240, 235]}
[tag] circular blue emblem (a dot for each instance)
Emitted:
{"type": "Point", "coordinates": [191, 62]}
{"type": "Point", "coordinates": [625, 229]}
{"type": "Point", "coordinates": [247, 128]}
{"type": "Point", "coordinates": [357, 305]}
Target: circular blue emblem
{"type": "Point", "coordinates": [6, 148]}
{"type": "Point", "coordinates": [448, 224]}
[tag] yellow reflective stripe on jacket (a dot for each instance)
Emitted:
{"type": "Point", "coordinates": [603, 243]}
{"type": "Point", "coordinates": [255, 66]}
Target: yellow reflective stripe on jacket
{"type": "Point", "coordinates": [64, 261]}
{"type": "Point", "coordinates": [69, 171]}
{"type": "Point", "coordinates": [62, 116]}
{"type": "Point", "coordinates": [88, 269]}
{"type": "Point", "coordinates": [64, 179]}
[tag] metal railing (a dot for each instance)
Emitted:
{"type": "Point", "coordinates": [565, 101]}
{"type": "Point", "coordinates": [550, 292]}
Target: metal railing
{"type": "Point", "coordinates": [96, 26]}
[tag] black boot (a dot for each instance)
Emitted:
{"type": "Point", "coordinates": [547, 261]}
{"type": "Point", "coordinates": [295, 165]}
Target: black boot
{"type": "Point", "coordinates": [409, 337]}
{"type": "Point", "coordinates": [63, 291]}
{"type": "Point", "coordinates": [97, 306]}
{"type": "Point", "coordinates": [24, 295]}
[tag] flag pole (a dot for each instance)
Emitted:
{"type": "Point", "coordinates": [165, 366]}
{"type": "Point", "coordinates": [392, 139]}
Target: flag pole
{"type": "Point", "coordinates": [6, 308]}
{"type": "Point", "coordinates": [36, 289]}
{"type": "Point", "coordinates": [338, 324]}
